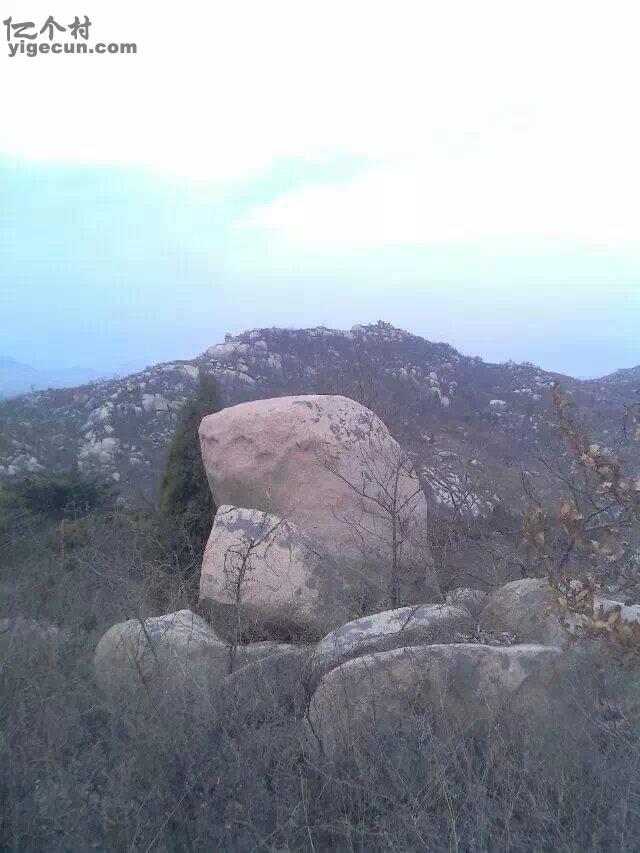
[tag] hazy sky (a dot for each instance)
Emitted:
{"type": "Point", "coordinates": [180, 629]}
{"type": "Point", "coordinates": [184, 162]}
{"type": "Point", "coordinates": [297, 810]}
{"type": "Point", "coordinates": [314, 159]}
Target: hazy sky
{"type": "Point", "coordinates": [468, 171]}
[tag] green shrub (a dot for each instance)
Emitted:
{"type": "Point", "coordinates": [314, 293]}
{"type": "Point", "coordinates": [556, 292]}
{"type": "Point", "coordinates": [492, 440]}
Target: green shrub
{"type": "Point", "coordinates": [57, 495]}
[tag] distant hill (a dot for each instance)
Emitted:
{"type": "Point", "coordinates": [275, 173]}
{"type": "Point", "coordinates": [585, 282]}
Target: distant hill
{"type": "Point", "coordinates": [15, 377]}
{"type": "Point", "coordinates": [480, 423]}
{"type": "Point", "coordinates": [19, 378]}
{"type": "Point", "coordinates": [625, 376]}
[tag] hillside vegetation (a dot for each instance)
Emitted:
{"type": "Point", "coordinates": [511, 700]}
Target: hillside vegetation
{"type": "Point", "coordinates": [80, 773]}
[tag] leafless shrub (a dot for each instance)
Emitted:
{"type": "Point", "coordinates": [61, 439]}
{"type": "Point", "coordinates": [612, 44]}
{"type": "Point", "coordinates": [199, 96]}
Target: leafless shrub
{"type": "Point", "coordinates": [386, 518]}
{"type": "Point", "coordinates": [590, 548]}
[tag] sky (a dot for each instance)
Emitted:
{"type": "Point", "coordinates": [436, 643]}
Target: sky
{"type": "Point", "coordinates": [466, 171]}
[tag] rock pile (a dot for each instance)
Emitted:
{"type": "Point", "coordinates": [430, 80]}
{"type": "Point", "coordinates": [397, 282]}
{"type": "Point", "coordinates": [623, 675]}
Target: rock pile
{"type": "Point", "coordinates": [318, 509]}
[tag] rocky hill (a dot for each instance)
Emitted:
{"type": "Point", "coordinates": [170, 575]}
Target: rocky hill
{"type": "Point", "coordinates": [479, 423]}
{"type": "Point", "coordinates": [629, 376]}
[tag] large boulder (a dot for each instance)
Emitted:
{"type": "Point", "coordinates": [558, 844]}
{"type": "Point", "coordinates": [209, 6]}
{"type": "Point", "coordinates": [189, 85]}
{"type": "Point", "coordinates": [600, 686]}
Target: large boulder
{"type": "Point", "coordinates": [330, 466]}
{"type": "Point", "coordinates": [177, 653]}
{"type": "Point", "coordinates": [404, 626]}
{"type": "Point", "coordinates": [529, 608]}
{"type": "Point", "coordinates": [265, 576]}
{"type": "Point", "coordinates": [381, 695]}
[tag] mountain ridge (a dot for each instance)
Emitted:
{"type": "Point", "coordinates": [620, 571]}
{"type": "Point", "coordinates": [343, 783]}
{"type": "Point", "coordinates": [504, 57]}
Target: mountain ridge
{"type": "Point", "coordinates": [434, 399]}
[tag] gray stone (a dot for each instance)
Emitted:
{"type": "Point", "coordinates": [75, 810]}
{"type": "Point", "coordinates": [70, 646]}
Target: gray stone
{"type": "Point", "coordinates": [381, 695]}
{"type": "Point", "coordinates": [528, 609]}
{"type": "Point", "coordinates": [525, 608]}
{"type": "Point", "coordinates": [404, 626]}
{"type": "Point", "coordinates": [178, 652]}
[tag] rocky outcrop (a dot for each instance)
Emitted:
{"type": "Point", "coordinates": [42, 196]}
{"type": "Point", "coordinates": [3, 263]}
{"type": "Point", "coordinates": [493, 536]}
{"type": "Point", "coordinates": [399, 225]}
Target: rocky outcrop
{"type": "Point", "coordinates": [380, 695]}
{"type": "Point", "coordinates": [328, 465]}
{"type": "Point", "coordinates": [178, 652]}
{"type": "Point", "coordinates": [405, 626]}
{"type": "Point", "coordinates": [271, 575]}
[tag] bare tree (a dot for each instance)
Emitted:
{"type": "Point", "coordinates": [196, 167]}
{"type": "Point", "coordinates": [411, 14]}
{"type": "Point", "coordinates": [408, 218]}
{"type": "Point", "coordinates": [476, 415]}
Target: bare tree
{"type": "Point", "coordinates": [238, 571]}
{"type": "Point", "coordinates": [462, 534]}
{"type": "Point", "coordinates": [385, 519]}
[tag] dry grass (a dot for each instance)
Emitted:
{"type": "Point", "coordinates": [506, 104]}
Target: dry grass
{"type": "Point", "coordinates": [233, 774]}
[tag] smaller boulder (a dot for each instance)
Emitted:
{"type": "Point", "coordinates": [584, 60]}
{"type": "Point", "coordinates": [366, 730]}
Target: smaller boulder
{"type": "Point", "coordinates": [266, 575]}
{"type": "Point", "coordinates": [528, 609]}
{"type": "Point", "coordinates": [604, 607]}
{"type": "Point", "coordinates": [178, 652]}
{"type": "Point", "coordinates": [472, 599]}
{"type": "Point", "coordinates": [405, 626]}
{"type": "Point", "coordinates": [525, 608]}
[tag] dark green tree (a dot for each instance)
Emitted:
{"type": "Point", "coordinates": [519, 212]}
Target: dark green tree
{"type": "Point", "coordinates": [186, 503]}
{"type": "Point", "coordinates": [65, 495]}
